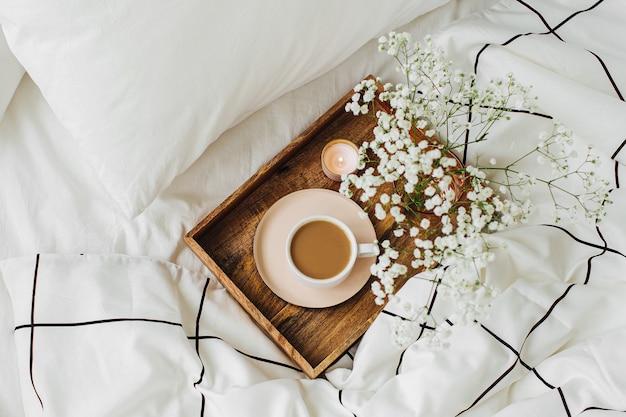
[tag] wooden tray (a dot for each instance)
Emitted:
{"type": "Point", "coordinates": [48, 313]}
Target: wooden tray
{"type": "Point", "coordinates": [223, 240]}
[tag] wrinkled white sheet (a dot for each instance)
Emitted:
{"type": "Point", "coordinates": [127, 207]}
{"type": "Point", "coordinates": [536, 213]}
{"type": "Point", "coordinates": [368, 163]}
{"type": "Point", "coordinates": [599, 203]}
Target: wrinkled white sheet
{"type": "Point", "coordinates": [553, 345]}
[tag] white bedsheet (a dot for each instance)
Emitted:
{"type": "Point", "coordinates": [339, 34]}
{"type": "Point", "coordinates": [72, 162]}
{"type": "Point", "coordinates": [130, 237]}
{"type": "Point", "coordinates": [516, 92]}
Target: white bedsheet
{"type": "Point", "coordinates": [129, 318]}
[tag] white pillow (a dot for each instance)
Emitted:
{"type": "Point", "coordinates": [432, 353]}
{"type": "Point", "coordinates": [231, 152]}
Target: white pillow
{"type": "Point", "coordinates": [11, 73]}
{"type": "Point", "coordinates": [145, 86]}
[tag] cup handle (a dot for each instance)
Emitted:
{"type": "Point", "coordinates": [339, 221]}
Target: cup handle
{"type": "Point", "coordinates": [366, 250]}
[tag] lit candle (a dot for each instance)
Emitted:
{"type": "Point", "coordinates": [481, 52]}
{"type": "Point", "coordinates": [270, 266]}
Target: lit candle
{"type": "Point", "coordinates": [339, 156]}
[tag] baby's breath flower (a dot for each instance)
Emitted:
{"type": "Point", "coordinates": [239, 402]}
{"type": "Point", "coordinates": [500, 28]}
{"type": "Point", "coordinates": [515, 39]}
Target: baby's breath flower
{"type": "Point", "coordinates": [448, 211]}
{"type": "Point", "coordinates": [380, 212]}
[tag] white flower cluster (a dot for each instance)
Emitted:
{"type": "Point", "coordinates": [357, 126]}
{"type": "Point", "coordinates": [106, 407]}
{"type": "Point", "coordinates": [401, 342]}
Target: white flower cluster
{"type": "Point", "coordinates": [555, 148]}
{"type": "Point", "coordinates": [410, 172]}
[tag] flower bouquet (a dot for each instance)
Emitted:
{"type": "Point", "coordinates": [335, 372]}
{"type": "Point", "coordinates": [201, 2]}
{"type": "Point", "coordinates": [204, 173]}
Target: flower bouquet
{"type": "Point", "coordinates": [413, 172]}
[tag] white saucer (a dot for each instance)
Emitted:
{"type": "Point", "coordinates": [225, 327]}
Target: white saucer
{"type": "Point", "coordinates": [271, 235]}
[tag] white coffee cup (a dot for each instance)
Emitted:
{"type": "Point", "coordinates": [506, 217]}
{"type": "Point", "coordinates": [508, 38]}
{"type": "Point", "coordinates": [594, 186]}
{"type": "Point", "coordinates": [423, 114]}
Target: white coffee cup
{"type": "Point", "coordinates": [317, 252]}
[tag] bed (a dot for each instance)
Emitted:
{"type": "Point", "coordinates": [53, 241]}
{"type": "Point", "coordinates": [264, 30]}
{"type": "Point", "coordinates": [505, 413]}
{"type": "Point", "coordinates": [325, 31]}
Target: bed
{"type": "Point", "coordinates": [122, 124]}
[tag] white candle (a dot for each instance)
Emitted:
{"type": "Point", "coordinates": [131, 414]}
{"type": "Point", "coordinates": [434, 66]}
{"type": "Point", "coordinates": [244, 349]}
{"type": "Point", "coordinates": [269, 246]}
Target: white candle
{"type": "Point", "coordinates": [339, 156]}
